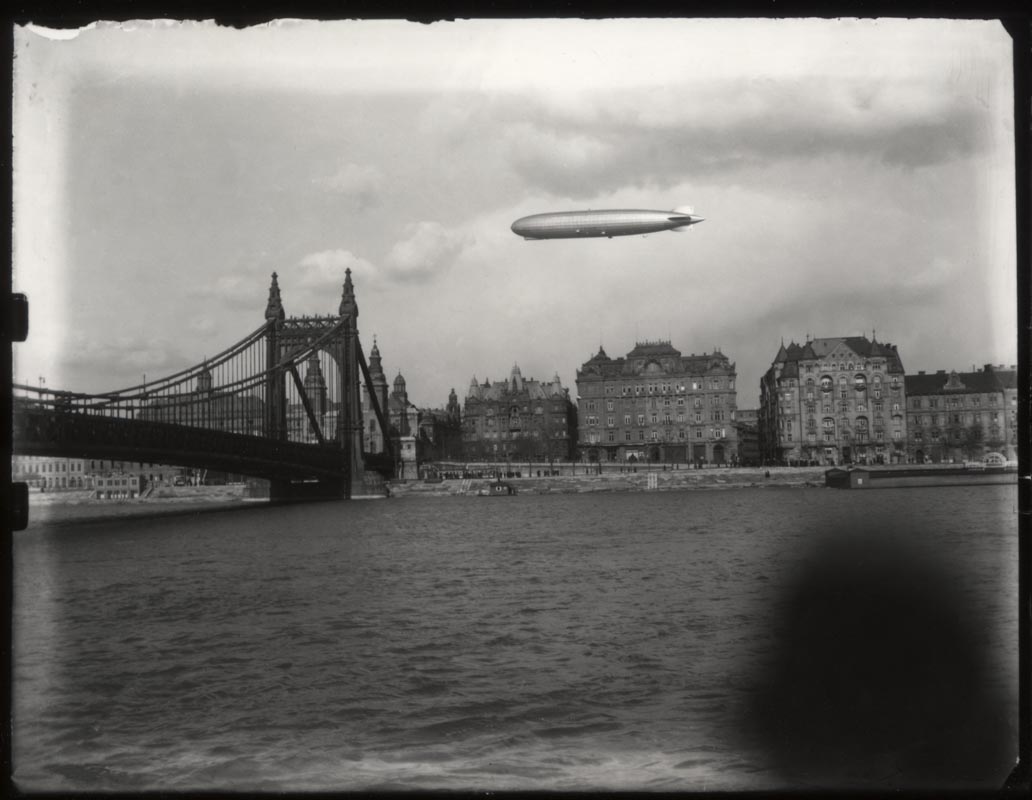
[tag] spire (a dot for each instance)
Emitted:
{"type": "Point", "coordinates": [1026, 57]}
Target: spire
{"type": "Point", "coordinates": [274, 308]}
{"type": "Point", "coordinates": [314, 376]}
{"type": "Point", "coordinates": [348, 306]}
{"type": "Point", "coordinates": [375, 364]}
{"type": "Point", "coordinates": [204, 378]}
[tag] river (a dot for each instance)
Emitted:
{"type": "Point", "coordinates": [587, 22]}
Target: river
{"type": "Point", "coordinates": [623, 641]}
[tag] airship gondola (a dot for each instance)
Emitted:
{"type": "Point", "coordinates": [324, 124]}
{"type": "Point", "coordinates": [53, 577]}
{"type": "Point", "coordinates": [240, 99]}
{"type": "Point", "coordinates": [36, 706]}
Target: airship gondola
{"type": "Point", "coordinates": [603, 222]}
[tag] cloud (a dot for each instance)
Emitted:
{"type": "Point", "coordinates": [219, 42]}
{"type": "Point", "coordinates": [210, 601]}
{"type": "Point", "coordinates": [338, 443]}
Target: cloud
{"type": "Point", "coordinates": [661, 137]}
{"type": "Point", "coordinates": [316, 283]}
{"type": "Point", "coordinates": [362, 183]}
{"type": "Point", "coordinates": [123, 359]}
{"type": "Point", "coordinates": [428, 250]}
{"type": "Point", "coordinates": [235, 289]}
{"type": "Point", "coordinates": [328, 267]}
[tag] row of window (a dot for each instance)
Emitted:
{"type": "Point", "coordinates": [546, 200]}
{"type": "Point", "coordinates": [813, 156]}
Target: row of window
{"type": "Point", "coordinates": [506, 435]}
{"type": "Point", "coordinates": [842, 366]}
{"type": "Point", "coordinates": [859, 437]}
{"type": "Point", "coordinates": [935, 435]}
{"type": "Point", "coordinates": [654, 402]}
{"type": "Point", "coordinates": [957, 419]}
{"type": "Point", "coordinates": [973, 400]}
{"type": "Point", "coordinates": [676, 387]}
{"type": "Point", "coordinates": [717, 415]}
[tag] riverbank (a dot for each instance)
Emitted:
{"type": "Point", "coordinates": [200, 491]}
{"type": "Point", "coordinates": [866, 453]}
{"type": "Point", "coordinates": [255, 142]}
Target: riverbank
{"type": "Point", "coordinates": [642, 480]}
{"type": "Point", "coordinates": [60, 506]}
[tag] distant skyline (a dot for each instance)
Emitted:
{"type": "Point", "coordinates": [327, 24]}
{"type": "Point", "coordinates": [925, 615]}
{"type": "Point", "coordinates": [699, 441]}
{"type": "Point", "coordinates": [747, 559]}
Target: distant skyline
{"type": "Point", "coordinates": [855, 176]}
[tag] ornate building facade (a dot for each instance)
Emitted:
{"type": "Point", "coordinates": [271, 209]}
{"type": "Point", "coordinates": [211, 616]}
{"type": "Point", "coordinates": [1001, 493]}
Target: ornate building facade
{"type": "Point", "coordinates": [518, 418]}
{"type": "Point", "coordinates": [834, 401]}
{"type": "Point", "coordinates": [657, 405]}
{"type": "Point", "coordinates": [961, 416]}
{"type": "Point", "coordinates": [417, 435]}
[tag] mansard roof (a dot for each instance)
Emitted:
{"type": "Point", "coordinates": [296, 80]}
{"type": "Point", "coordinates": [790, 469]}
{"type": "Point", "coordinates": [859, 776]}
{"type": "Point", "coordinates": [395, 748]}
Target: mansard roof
{"type": "Point", "coordinates": [715, 363]}
{"type": "Point", "coordinates": [860, 346]}
{"type": "Point", "coordinates": [942, 382]}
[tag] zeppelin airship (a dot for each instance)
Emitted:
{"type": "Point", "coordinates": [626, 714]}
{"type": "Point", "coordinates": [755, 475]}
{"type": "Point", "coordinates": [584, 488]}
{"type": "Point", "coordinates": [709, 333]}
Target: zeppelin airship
{"type": "Point", "coordinates": [603, 222]}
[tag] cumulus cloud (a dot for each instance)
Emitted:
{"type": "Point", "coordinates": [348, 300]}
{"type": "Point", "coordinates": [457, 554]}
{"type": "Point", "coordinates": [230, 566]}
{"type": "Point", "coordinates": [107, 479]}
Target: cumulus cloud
{"type": "Point", "coordinates": [328, 267]}
{"type": "Point", "coordinates": [428, 250]}
{"type": "Point", "coordinates": [362, 183]}
{"type": "Point", "coordinates": [314, 285]}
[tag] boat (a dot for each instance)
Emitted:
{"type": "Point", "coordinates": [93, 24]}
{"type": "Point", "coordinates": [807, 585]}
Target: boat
{"type": "Point", "coordinates": [497, 489]}
{"type": "Point", "coordinates": [896, 477]}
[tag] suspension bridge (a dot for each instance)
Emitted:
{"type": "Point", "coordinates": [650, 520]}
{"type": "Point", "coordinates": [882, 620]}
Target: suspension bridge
{"type": "Point", "coordinates": [246, 410]}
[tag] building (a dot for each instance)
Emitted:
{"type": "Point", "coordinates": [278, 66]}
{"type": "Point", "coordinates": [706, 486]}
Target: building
{"type": "Point", "coordinates": [748, 427]}
{"type": "Point", "coordinates": [404, 430]}
{"type": "Point", "coordinates": [119, 486]}
{"type": "Point", "coordinates": [50, 473]}
{"type": "Point", "coordinates": [372, 435]}
{"type": "Point", "coordinates": [961, 416]}
{"type": "Point", "coordinates": [659, 406]}
{"type": "Point", "coordinates": [440, 429]}
{"type": "Point", "coordinates": [518, 419]}
{"type": "Point", "coordinates": [833, 401]}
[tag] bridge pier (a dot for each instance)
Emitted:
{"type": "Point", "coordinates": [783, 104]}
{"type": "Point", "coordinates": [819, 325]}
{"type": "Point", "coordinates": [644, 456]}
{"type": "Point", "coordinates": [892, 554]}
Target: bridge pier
{"type": "Point", "coordinates": [287, 491]}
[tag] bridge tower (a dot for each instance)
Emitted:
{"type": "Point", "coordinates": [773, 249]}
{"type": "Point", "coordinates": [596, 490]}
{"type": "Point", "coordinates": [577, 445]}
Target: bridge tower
{"type": "Point", "coordinates": [288, 334]}
{"type": "Point", "coordinates": [349, 421]}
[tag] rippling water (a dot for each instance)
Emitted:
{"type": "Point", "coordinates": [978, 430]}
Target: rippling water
{"type": "Point", "coordinates": [534, 642]}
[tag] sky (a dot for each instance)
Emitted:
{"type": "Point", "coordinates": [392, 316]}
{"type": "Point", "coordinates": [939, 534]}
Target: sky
{"type": "Point", "coordinates": [856, 176]}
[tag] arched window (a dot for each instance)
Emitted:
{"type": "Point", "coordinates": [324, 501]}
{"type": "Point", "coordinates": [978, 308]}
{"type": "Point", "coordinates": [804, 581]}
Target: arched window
{"type": "Point", "coordinates": [860, 381]}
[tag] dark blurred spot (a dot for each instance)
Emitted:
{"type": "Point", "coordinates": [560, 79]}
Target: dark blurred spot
{"type": "Point", "coordinates": [879, 675]}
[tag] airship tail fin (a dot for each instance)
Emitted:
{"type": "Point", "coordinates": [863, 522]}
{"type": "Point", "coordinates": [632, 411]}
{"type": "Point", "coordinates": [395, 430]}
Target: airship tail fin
{"type": "Point", "coordinates": [689, 210]}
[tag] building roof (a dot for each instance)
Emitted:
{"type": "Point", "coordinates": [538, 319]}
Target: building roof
{"type": "Point", "coordinates": [664, 353]}
{"type": "Point", "coordinates": [941, 382]}
{"type": "Point", "coordinates": [817, 349]}
{"type": "Point", "coordinates": [651, 349]}
{"type": "Point", "coordinates": [516, 386]}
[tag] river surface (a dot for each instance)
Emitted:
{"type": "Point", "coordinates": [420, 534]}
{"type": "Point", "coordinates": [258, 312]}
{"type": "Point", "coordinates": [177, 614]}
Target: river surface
{"type": "Point", "coordinates": [559, 642]}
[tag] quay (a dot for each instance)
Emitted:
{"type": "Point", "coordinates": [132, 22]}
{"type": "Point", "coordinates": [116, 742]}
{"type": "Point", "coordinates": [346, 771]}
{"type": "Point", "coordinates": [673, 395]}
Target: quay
{"type": "Point", "coordinates": [608, 480]}
{"type": "Point", "coordinates": [898, 477]}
